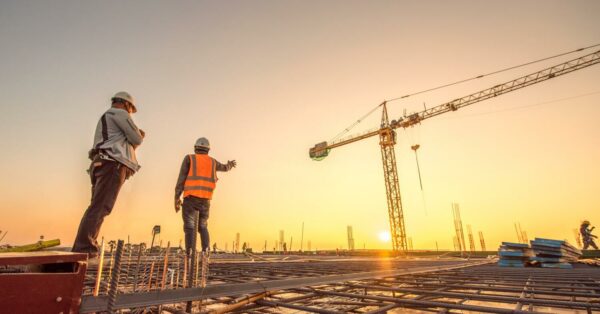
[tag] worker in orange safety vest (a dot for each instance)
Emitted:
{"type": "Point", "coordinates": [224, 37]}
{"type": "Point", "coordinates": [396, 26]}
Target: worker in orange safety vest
{"type": "Point", "coordinates": [197, 181]}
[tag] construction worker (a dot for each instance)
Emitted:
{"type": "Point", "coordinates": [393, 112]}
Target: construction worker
{"type": "Point", "coordinates": [587, 236]}
{"type": "Point", "coordinates": [113, 162]}
{"type": "Point", "coordinates": [197, 181]}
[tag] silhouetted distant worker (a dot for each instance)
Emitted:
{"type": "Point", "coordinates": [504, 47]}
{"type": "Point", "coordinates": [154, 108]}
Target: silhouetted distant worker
{"type": "Point", "coordinates": [215, 247]}
{"type": "Point", "coordinates": [587, 236]}
{"type": "Point", "coordinates": [197, 181]}
{"type": "Point", "coordinates": [113, 162]}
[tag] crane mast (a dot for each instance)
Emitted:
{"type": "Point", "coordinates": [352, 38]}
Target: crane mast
{"type": "Point", "coordinates": [387, 141]}
{"type": "Point", "coordinates": [387, 134]}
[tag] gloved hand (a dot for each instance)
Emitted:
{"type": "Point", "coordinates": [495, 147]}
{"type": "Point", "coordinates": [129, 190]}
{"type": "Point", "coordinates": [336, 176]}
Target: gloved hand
{"type": "Point", "coordinates": [177, 204]}
{"type": "Point", "coordinates": [231, 164]}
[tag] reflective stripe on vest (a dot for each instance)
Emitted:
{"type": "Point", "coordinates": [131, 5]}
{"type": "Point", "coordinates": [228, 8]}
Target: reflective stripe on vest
{"type": "Point", "coordinates": [202, 177]}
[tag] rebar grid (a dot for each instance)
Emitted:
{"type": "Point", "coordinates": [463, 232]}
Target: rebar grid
{"type": "Point", "coordinates": [489, 289]}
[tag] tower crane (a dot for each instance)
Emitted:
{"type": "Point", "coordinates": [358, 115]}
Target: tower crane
{"type": "Point", "coordinates": [387, 134]}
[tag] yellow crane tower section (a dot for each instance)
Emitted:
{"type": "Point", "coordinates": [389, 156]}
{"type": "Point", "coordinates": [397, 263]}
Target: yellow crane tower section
{"type": "Point", "coordinates": [387, 134]}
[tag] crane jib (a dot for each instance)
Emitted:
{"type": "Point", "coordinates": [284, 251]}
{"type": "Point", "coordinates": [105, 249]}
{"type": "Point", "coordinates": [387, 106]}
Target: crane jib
{"type": "Point", "coordinates": [322, 149]}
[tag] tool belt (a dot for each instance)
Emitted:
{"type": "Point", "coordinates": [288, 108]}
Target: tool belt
{"type": "Point", "coordinates": [94, 154]}
{"type": "Point", "coordinates": [97, 156]}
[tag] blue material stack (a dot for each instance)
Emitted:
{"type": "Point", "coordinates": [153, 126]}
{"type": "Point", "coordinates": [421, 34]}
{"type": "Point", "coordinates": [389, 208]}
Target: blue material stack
{"type": "Point", "coordinates": [514, 254]}
{"type": "Point", "coordinates": [554, 253]}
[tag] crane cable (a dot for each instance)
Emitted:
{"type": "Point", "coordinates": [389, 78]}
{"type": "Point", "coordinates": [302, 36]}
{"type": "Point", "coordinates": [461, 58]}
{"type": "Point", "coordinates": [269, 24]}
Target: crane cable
{"type": "Point", "coordinates": [492, 73]}
{"type": "Point", "coordinates": [414, 148]}
{"type": "Point", "coordinates": [346, 130]}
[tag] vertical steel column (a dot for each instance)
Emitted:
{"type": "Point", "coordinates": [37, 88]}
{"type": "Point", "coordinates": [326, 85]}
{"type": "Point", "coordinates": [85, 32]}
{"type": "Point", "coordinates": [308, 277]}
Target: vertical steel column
{"type": "Point", "coordinates": [387, 141]}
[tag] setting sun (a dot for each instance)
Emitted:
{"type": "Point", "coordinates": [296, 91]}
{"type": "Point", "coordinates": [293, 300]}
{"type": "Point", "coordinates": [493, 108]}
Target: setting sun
{"type": "Point", "coordinates": [384, 236]}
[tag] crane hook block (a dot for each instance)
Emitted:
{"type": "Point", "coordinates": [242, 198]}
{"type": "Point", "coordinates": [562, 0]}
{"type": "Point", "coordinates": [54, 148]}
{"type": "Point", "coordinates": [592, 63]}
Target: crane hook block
{"type": "Point", "coordinates": [319, 152]}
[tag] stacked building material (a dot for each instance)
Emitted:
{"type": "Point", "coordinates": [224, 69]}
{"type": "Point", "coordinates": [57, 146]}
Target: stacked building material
{"type": "Point", "coordinates": [514, 254]}
{"type": "Point", "coordinates": [554, 253]}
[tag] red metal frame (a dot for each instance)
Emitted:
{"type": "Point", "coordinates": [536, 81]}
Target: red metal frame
{"type": "Point", "coordinates": [51, 282]}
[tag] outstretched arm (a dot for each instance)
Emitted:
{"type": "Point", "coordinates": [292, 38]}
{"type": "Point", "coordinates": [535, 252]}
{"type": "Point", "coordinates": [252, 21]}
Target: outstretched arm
{"type": "Point", "coordinates": [224, 168]}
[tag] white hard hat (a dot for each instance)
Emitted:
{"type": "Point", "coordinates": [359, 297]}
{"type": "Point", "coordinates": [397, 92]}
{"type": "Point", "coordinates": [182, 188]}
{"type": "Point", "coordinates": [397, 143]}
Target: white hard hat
{"type": "Point", "coordinates": [127, 97]}
{"type": "Point", "coordinates": [202, 143]}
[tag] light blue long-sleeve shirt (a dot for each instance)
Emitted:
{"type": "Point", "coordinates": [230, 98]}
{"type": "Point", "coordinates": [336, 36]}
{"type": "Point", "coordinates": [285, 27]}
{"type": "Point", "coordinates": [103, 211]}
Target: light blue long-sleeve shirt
{"type": "Point", "coordinates": [119, 137]}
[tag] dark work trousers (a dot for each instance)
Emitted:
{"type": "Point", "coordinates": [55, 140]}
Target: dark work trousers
{"type": "Point", "coordinates": [589, 242]}
{"type": "Point", "coordinates": [192, 206]}
{"type": "Point", "coordinates": [107, 178]}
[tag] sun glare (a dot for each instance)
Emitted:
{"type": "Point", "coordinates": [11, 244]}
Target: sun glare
{"type": "Point", "coordinates": [384, 236]}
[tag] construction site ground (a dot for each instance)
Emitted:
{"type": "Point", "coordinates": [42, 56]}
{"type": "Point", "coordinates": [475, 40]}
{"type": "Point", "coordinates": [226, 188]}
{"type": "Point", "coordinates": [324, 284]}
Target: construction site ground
{"type": "Point", "coordinates": [269, 283]}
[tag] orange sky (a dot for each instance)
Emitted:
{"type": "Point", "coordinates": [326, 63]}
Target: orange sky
{"type": "Point", "coordinates": [265, 81]}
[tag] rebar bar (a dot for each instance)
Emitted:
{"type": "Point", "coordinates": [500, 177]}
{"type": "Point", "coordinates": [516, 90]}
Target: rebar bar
{"type": "Point", "coordinates": [114, 280]}
{"type": "Point", "coordinates": [99, 273]}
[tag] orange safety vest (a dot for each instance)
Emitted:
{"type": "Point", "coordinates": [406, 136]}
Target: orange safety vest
{"type": "Point", "coordinates": [202, 177]}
